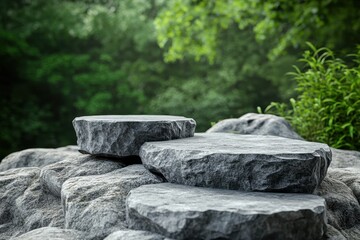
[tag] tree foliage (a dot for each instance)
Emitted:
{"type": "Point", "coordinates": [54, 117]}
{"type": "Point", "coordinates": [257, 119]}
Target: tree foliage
{"type": "Point", "coordinates": [328, 106]}
{"type": "Point", "coordinates": [194, 27]}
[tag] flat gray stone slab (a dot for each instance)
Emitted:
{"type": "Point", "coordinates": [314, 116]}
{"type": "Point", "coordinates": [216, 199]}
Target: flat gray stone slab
{"type": "Point", "coordinates": [240, 162]}
{"type": "Point", "coordinates": [123, 135]}
{"type": "Point", "coordinates": [184, 212]}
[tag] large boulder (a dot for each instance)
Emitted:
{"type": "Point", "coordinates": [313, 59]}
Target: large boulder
{"type": "Point", "coordinates": [345, 158]}
{"type": "Point", "coordinates": [342, 209]}
{"type": "Point", "coordinates": [53, 233]}
{"type": "Point", "coordinates": [96, 204]}
{"type": "Point", "coordinates": [349, 176]}
{"type": "Point", "coordinates": [23, 204]}
{"type": "Point", "coordinates": [123, 135]}
{"type": "Point", "coordinates": [53, 176]}
{"type": "Point", "coordinates": [241, 162]}
{"type": "Point", "coordinates": [185, 212]}
{"type": "Point", "coordinates": [13, 183]}
{"type": "Point", "coordinates": [36, 208]}
{"type": "Point", "coordinates": [36, 157]}
{"type": "Point", "coordinates": [256, 124]}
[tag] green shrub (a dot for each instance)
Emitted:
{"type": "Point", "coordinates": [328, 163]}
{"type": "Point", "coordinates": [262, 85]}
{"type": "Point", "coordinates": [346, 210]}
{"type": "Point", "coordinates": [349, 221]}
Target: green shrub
{"type": "Point", "coordinates": [327, 108]}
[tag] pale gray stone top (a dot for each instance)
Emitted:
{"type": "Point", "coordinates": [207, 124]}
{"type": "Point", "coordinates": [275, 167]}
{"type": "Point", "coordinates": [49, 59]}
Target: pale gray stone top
{"type": "Point", "coordinates": [176, 197]}
{"type": "Point", "coordinates": [240, 144]}
{"type": "Point", "coordinates": [123, 135]}
{"type": "Point", "coordinates": [132, 118]}
{"type": "Point", "coordinates": [240, 162]}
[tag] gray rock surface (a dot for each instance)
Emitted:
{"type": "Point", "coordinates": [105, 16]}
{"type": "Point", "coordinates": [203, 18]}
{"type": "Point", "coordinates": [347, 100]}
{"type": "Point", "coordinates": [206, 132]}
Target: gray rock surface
{"type": "Point", "coordinates": [342, 209]}
{"type": "Point", "coordinates": [241, 162]}
{"type": "Point", "coordinates": [23, 204]}
{"type": "Point", "coordinates": [52, 233]}
{"type": "Point", "coordinates": [256, 124]}
{"type": "Point", "coordinates": [13, 184]}
{"type": "Point", "coordinates": [333, 234]}
{"type": "Point", "coordinates": [53, 176]}
{"type": "Point", "coordinates": [185, 212]}
{"type": "Point", "coordinates": [73, 148]}
{"type": "Point", "coordinates": [35, 157]}
{"type": "Point", "coordinates": [135, 235]}
{"type": "Point", "coordinates": [352, 233]}
{"type": "Point", "coordinates": [349, 176]}
{"type": "Point", "coordinates": [123, 135]}
{"type": "Point", "coordinates": [96, 204]}
{"type": "Point", "coordinates": [36, 208]}
{"type": "Point", "coordinates": [345, 158]}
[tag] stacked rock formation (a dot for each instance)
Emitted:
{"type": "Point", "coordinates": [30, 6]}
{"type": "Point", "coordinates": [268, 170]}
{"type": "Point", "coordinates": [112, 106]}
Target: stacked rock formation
{"type": "Point", "coordinates": [151, 177]}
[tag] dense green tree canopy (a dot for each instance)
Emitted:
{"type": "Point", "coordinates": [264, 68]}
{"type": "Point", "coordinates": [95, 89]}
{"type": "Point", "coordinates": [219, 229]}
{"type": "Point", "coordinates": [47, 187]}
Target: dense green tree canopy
{"type": "Point", "coordinates": [194, 27]}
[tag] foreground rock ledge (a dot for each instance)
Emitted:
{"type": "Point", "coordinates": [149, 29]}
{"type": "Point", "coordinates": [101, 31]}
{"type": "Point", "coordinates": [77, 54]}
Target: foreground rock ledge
{"type": "Point", "coordinates": [240, 162]}
{"type": "Point", "coordinates": [185, 212]}
{"type": "Point", "coordinates": [123, 135]}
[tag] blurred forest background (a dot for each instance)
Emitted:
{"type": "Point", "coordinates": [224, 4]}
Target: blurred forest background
{"type": "Point", "coordinates": [206, 59]}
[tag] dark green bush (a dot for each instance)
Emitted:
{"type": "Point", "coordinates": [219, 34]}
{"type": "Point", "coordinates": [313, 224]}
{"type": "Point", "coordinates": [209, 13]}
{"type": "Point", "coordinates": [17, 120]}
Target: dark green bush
{"type": "Point", "coordinates": [327, 108]}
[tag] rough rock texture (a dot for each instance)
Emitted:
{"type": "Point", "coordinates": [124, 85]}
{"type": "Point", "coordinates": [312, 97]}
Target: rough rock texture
{"type": "Point", "coordinates": [242, 162]}
{"type": "Point", "coordinates": [333, 234]}
{"type": "Point", "coordinates": [256, 124]}
{"type": "Point", "coordinates": [23, 204]}
{"type": "Point", "coordinates": [37, 209]}
{"type": "Point", "coordinates": [13, 183]}
{"type": "Point", "coordinates": [123, 135]}
{"type": "Point", "coordinates": [134, 235]}
{"type": "Point", "coordinates": [345, 158]}
{"type": "Point", "coordinates": [352, 233]}
{"type": "Point", "coordinates": [349, 176]}
{"type": "Point", "coordinates": [184, 212]}
{"type": "Point", "coordinates": [343, 210]}
{"type": "Point", "coordinates": [36, 157]}
{"type": "Point", "coordinates": [53, 176]}
{"type": "Point", "coordinates": [73, 148]}
{"type": "Point", "coordinates": [96, 204]}
{"type": "Point", "coordinates": [52, 233]}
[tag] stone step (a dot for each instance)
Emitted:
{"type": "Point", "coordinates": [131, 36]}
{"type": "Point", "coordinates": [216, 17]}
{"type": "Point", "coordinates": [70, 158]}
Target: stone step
{"type": "Point", "coordinates": [123, 135]}
{"type": "Point", "coordinates": [240, 162]}
{"type": "Point", "coordinates": [185, 212]}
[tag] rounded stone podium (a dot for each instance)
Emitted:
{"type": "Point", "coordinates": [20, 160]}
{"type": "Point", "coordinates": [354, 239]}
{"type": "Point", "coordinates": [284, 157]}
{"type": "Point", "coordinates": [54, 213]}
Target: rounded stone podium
{"type": "Point", "coordinates": [123, 135]}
